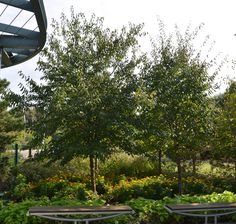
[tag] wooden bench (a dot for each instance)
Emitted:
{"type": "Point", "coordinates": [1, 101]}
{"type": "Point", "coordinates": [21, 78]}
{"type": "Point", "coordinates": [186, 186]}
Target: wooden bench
{"type": "Point", "coordinates": [204, 210]}
{"type": "Point", "coordinates": [57, 212]}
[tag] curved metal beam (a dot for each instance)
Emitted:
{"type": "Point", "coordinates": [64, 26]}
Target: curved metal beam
{"type": "Point", "coordinates": [17, 43]}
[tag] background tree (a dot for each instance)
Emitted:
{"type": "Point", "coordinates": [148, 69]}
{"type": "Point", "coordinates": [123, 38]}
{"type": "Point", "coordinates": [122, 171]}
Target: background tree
{"type": "Point", "coordinates": [9, 122]}
{"type": "Point", "coordinates": [10, 125]}
{"type": "Point", "coordinates": [153, 134]}
{"type": "Point", "coordinates": [180, 82]}
{"type": "Point", "coordinates": [225, 132]}
{"type": "Point", "coordinates": [86, 103]}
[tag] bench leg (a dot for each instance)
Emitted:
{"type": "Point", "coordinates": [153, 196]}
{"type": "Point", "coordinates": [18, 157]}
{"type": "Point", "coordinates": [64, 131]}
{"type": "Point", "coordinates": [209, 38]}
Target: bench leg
{"type": "Point", "coordinates": [86, 222]}
{"type": "Point", "coordinates": [215, 220]}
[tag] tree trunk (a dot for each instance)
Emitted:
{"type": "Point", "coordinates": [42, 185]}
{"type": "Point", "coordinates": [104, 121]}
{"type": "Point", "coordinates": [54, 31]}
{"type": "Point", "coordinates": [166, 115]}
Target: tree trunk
{"type": "Point", "coordinates": [92, 173]}
{"type": "Point", "coordinates": [179, 176]}
{"type": "Point", "coordinates": [30, 153]}
{"type": "Point", "coordinates": [159, 163]}
{"type": "Point", "coordinates": [96, 165]}
{"type": "Point", "coordinates": [194, 165]}
{"type": "Point", "coordinates": [235, 170]}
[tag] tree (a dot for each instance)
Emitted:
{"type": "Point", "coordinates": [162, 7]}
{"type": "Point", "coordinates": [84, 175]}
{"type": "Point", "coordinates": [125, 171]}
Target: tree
{"type": "Point", "coordinates": [179, 81]}
{"type": "Point", "coordinates": [86, 103]}
{"type": "Point", "coordinates": [153, 134]}
{"type": "Point", "coordinates": [9, 123]}
{"type": "Point", "coordinates": [225, 129]}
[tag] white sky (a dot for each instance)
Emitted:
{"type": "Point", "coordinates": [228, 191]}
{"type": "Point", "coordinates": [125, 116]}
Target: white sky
{"type": "Point", "coordinates": [218, 15]}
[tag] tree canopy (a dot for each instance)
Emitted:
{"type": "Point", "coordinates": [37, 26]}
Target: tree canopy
{"type": "Point", "coordinates": [86, 102]}
{"type": "Point", "coordinates": [100, 94]}
{"type": "Point", "coordinates": [179, 81]}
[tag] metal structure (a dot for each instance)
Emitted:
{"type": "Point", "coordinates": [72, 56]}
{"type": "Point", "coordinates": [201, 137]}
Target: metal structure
{"type": "Point", "coordinates": [101, 212]}
{"type": "Point", "coordinates": [24, 35]}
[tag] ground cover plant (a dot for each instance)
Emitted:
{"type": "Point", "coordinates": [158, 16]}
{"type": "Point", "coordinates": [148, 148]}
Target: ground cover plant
{"type": "Point", "coordinates": [147, 210]}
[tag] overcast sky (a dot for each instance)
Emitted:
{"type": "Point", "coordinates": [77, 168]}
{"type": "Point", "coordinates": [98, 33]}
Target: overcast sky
{"type": "Point", "coordinates": [218, 16]}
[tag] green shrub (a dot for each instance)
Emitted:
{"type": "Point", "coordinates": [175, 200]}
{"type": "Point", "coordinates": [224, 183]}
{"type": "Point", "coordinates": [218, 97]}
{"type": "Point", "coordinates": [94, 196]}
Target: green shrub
{"type": "Point", "coordinates": [158, 187]}
{"type": "Point", "coordinates": [35, 170]}
{"type": "Point", "coordinates": [149, 187]}
{"type": "Point", "coordinates": [153, 211]}
{"type": "Point", "coordinates": [148, 211]}
{"type": "Point", "coordinates": [193, 185]}
{"type": "Point", "coordinates": [121, 164]}
{"type": "Point", "coordinates": [54, 187]}
{"type": "Point", "coordinates": [60, 187]}
{"type": "Point", "coordinates": [21, 190]}
{"type": "Point", "coordinates": [101, 185]}
{"type": "Point", "coordinates": [16, 213]}
{"type": "Point", "coordinates": [4, 168]}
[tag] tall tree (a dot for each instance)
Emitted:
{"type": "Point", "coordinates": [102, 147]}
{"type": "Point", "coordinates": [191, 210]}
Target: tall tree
{"type": "Point", "coordinates": [180, 82]}
{"type": "Point", "coordinates": [86, 102]}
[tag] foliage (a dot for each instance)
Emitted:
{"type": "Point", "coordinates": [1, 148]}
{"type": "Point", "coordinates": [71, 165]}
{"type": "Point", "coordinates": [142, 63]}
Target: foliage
{"type": "Point", "coordinates": [146, 187]}
{"type": "Point", "coordinates": [225, 128]}
{"type": "Point", "coordinates": [53, 187]}
{"type": "Point", "coordinates": [151, 211]}
{"type": "Point", "coordinates": [122, 165]}
{"type": "Point", "coordinates": [159, 187]}
{"type": "Point", "coordinates": [113, 169]}
{"type": "Point", "coordinates": [9, 122]}
{"type": "Point", "coordinates": [87, 100]}
{"type": "Point", "coordinates": [115, 190]}
{"type": "Point", "coordinates": [179, 82]}
{"type": "Point", "coordinates": [17, 212]}
{"type": "Point", "coordinates": [4, 168]}
{"type": "Point", "coordinates": [37, 170]}
{"type": "Point", "coordinates": [147, 210]}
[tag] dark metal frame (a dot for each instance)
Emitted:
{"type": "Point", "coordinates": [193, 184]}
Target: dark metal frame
{"type": "Point", "coordinates": [57, 212]}
{"type": "Point", "coordinates": [17, 43]}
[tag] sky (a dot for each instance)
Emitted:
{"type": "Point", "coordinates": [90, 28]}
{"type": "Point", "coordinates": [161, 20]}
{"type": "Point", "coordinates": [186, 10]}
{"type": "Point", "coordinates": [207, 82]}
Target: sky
{"type": "Point", "coordinates": [218, 16]}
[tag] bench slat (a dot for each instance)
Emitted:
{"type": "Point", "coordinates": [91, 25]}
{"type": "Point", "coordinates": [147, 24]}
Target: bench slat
{"type": "Point", "coordinates": [202, 206]}
{"type": "Point", "coordinates": [79, 210]}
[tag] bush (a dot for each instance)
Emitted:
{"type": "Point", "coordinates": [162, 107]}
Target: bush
{"type": "Point", "coordinates": [159, 187]}
{"type": "Point", "coordinates": [121, 164]}
{"type": "Point", "coordinates": [54, 187]}
{"type": "Point", "coordinates": [21, 190]}
{"type": "Point", "coordinates": [193, 186]}
{"type": "Point", "coordinates": [148, 211]}
{"type": "Point", "coordinates": [16, 213]}
{"type": "Point", "coordinates": [4, 168]}
{"type": "Point", "coordinates": [153, 211]}
{"type": "Point", "coordinates": [101, 185]}
{"type": "Point", "coordinates": [35, 171]}
{"type": "Point", "coordinates": [149, 187]}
